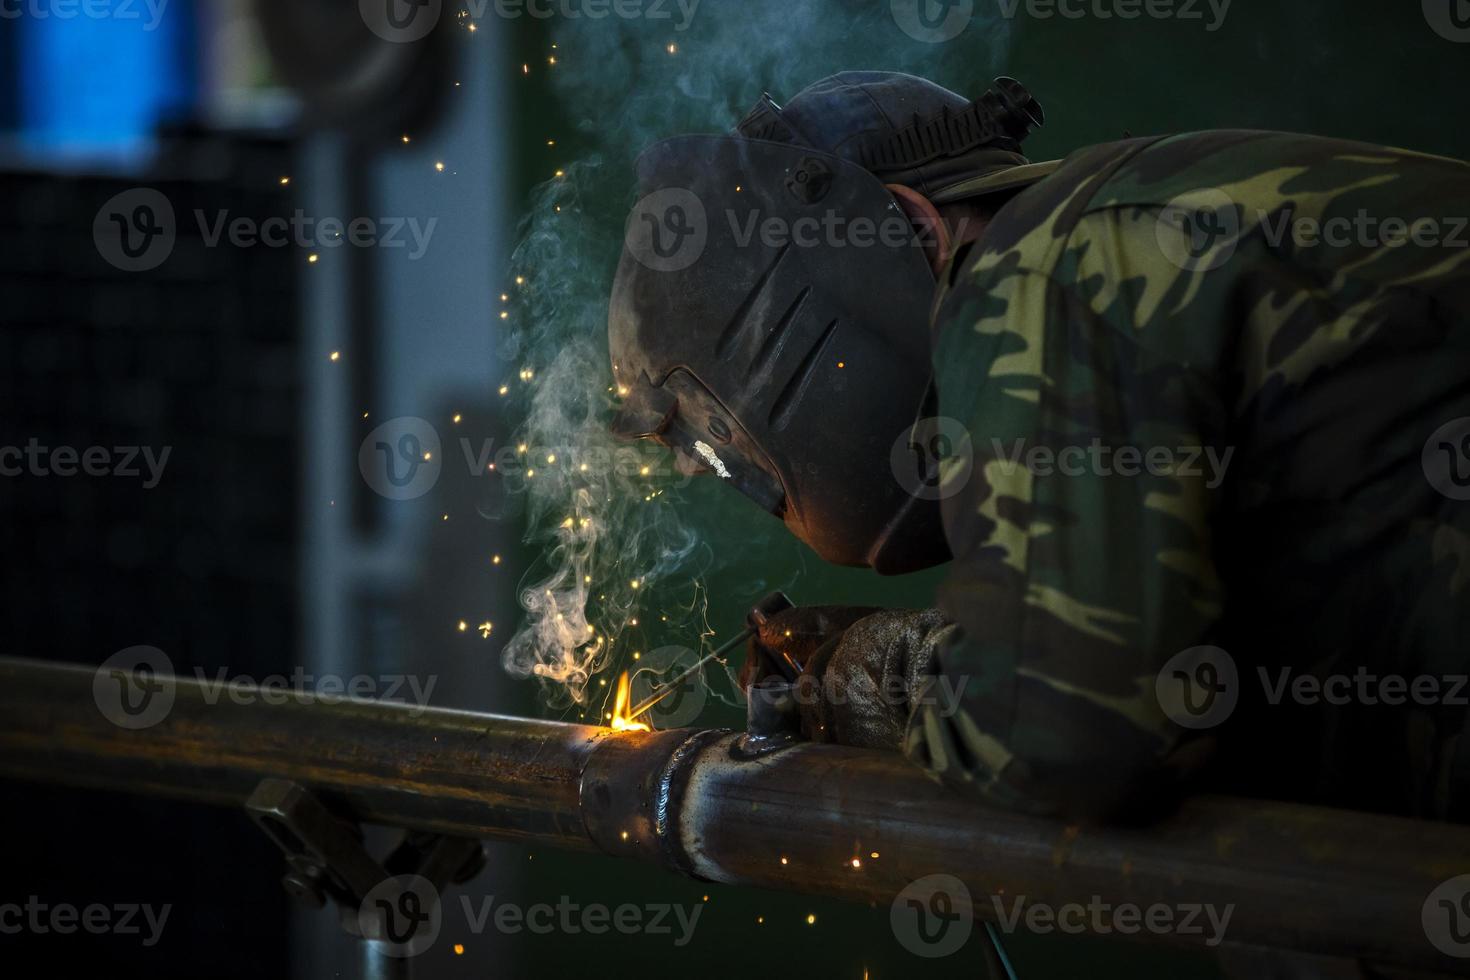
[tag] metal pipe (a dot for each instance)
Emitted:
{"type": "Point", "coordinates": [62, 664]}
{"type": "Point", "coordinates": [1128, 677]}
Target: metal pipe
{"type": "Point", "coordinates": [1299, 878]}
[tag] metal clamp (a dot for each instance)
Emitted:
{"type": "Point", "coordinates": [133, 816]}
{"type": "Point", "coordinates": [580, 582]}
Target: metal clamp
{"type": "Point", "coordinates": [326, 859]}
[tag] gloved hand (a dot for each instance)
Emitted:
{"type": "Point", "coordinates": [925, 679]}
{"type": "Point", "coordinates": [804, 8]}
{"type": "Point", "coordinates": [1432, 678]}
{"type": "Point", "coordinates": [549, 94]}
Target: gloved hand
{"type": "Point", "coordinates": [860, 667]}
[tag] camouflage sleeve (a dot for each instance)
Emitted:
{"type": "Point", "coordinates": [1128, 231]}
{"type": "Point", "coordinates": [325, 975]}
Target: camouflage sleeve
{"type": "Point", "coordinates": [1079, 519]}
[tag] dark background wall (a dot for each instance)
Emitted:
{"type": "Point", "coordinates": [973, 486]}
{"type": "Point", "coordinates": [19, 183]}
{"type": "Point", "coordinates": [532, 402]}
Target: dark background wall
{"type": "Point", "coordinates": [239, 558]}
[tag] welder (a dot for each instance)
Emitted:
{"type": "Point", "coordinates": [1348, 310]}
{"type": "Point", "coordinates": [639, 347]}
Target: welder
{"type": "Point", "coordinates": [1107, 635]}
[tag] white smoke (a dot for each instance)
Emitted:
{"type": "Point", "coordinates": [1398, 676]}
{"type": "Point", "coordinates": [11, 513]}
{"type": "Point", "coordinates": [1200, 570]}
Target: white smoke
{"type": "Point", "coordinates": [622, 565]}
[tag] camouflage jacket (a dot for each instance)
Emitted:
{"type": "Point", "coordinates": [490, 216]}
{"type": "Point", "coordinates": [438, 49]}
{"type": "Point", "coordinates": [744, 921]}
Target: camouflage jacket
{"type": "Point", "coordinates": [1216, 503]}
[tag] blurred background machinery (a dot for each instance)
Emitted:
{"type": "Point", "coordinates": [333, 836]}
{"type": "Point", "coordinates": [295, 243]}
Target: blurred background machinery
{"type": "Point", "coordinates": [260, 551]}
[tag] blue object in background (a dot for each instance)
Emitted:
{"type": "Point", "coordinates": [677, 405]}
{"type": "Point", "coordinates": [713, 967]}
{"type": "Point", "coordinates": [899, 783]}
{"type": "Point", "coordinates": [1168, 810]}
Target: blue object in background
{"type": "Point", "coordinates": [92, 86]}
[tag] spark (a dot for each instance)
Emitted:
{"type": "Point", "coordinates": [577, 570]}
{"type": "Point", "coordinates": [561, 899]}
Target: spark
{"type": "Point", "coordinates": [495, 560]}
{"type": "Point", "coordinates": [550, 460]}
{"type": "Point", "coordinates": [405, 137]}
{"type": "Point", "coordinates": [505, 297]}
{"type": "Point", "coordinates": [463, 626]}
{"type": "Point", "coordinates": [312, 258]}
{"type": "Point", "coordinates": [439, 166]}
{"type": "Point", "coordinates": [504, 390]}
{"type": "Point", "coordinates": [485, 629]}
{"type": "Point", "coordinates": [520, 280]}
{"type": "Point", "coordinates": [472, 28]}
{"type": "Point", "coordinates": [505, 314]}
{"type": "Point", "coordinates": [625, 835]}
{"type": "Point", "coordinates": [459, 949]}
{"type": "Point", "coordinates": [521, 448]}
{"type": "Point", "coordinates": [336, 355]}
{"type": "Point", "coordinates": [673, 48]}
{"type": "Point", "coordinates": [583, 467]}
{"type": "Point", "coordinates": [811, 920]}
{"type": "Point", "coordinates": [874, 855]}
{"type": "Point", "coordinates": [635, 584]}
{"type": "Point", "coordinates": [842, 364]}
{"type": "Point", "coordinates": [285, 181]}
{"type": "Point", "coordinates": [457, 417]}
{"type": "Point", "coordinates": [857, 863]}
{"type": "Point", "coordinates": [428, 456]}
{"type": "Point", "coordinates": [525, 69]}
{"type": "Point", "coordinates": [785, 861]}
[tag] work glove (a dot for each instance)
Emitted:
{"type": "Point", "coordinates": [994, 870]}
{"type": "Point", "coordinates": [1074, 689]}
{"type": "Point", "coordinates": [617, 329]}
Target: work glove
{"type": "Point", "coordinates": [860, 667]}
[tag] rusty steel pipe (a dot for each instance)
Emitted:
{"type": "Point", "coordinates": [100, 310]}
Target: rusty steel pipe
{"type": "Point", "coordinates": [1299, 878]}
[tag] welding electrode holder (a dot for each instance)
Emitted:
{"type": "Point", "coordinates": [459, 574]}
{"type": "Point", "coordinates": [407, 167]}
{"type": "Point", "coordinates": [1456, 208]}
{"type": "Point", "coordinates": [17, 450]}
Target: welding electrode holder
{"type": "Point", "coordinates": [759, 615]}
{"type": "Point", "coordinates": [772, 720]}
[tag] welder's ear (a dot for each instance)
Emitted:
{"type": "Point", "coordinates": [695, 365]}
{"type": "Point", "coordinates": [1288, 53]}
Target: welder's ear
{"type": "Point", "coordinates": [927, 222]}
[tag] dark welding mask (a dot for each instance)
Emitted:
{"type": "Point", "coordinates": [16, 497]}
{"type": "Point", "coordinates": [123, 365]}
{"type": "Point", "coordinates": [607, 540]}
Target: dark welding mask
{"type": "Point", "coordinates": [769, 317]}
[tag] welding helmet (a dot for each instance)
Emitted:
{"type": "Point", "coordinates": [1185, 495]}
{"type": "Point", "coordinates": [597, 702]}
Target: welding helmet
{"type": "Point", "coordinates": [769, 317]}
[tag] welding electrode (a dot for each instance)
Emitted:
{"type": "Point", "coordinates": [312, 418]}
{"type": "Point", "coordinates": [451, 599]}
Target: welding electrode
{"type": "Point", "coordinates": [776, 602]}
